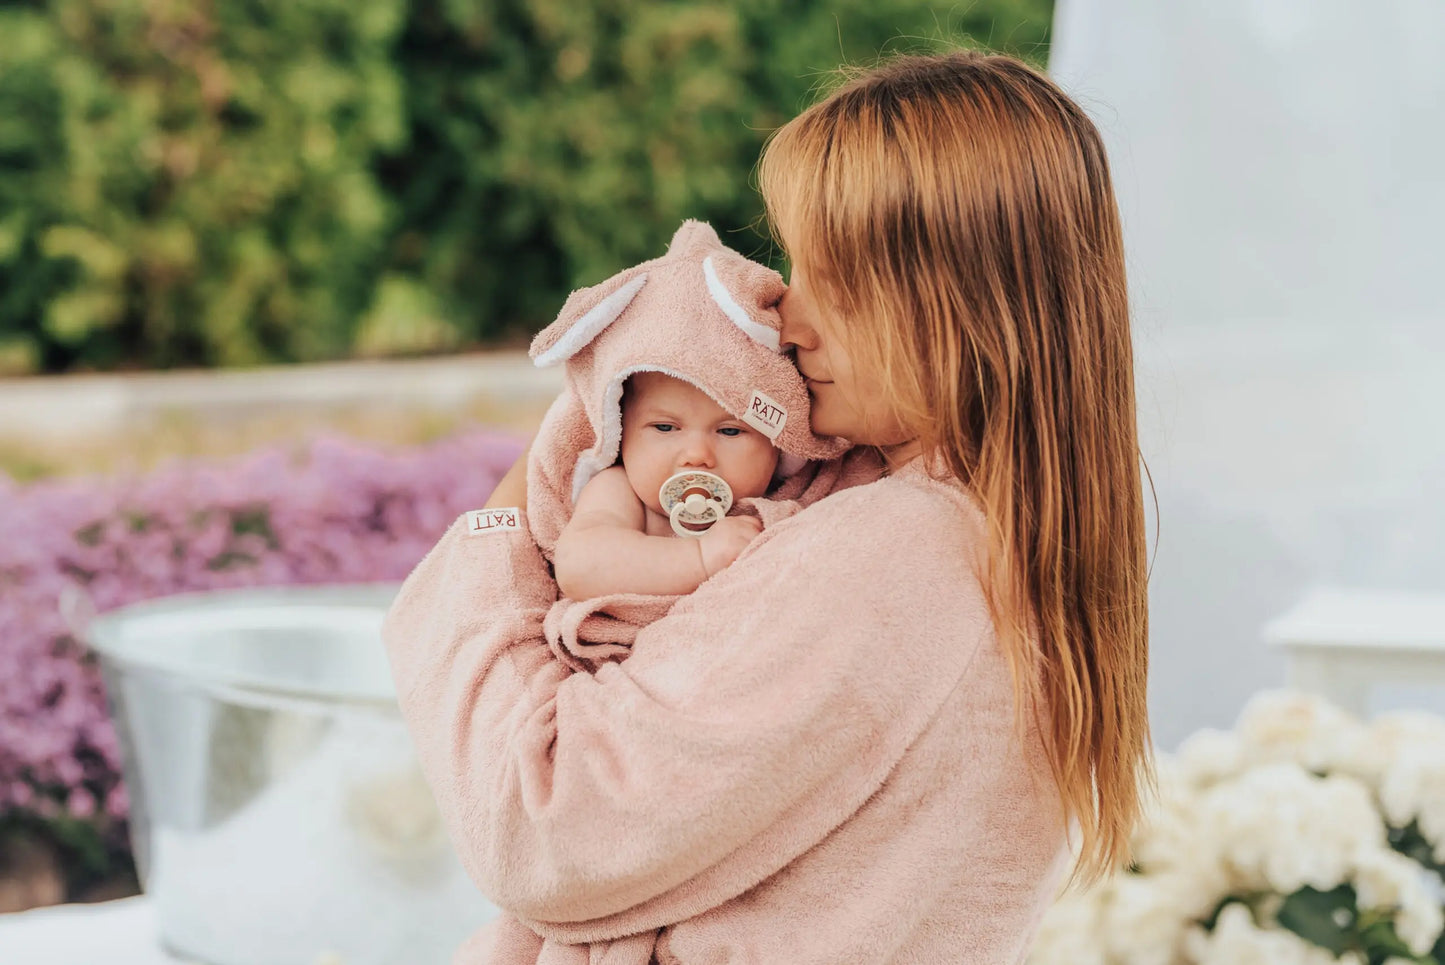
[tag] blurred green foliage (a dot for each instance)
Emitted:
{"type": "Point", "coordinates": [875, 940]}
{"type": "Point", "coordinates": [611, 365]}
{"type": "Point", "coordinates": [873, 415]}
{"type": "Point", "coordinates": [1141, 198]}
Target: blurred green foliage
{"type": "Point", "coordinates": [241, 181]}
{"type": "Point", "coordinates": [186, 183]}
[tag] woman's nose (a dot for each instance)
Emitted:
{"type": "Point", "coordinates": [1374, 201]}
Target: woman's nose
{"type": "Point", "coordinates": [795, 332]}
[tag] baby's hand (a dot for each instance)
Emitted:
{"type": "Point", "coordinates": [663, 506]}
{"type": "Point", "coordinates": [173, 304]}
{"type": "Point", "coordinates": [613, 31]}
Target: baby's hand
{"type": "Point", "coordinates": [726, 539]}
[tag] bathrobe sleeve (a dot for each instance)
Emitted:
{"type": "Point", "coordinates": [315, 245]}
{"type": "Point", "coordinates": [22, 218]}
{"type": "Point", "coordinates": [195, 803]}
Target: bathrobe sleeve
{"type": "Point", "coordinates": [756, 716]}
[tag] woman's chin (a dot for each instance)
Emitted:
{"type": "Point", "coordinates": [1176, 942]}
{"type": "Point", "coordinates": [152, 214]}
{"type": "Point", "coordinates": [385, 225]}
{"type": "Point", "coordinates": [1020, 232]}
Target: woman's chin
{"type": "Point", "coordinates": [830, 427]}
{"type": "Point", "coordinates": [824, 417]}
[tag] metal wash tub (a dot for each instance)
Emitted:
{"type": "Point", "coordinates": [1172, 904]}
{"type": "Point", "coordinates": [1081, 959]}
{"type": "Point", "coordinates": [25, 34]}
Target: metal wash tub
{"type": "Point", "coordinates": [278, 814]}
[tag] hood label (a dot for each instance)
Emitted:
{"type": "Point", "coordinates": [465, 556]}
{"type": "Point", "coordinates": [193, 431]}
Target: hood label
{"type": "Point", "coordinates": [765, 415]}
{"type": "Point", "coordinates": [480, 522]}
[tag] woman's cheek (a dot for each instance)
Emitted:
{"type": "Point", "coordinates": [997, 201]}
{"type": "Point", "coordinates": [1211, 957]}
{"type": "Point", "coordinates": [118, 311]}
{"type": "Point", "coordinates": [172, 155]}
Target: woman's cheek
{"type": "Point", "coordinates": [821, 417]}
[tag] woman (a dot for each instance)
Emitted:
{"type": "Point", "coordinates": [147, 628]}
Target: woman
{"type": "Point", "coordinates": [869, 738]}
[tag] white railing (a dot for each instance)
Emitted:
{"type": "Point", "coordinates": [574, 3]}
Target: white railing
{"type": "Point", "coordinates": [1342, 643]}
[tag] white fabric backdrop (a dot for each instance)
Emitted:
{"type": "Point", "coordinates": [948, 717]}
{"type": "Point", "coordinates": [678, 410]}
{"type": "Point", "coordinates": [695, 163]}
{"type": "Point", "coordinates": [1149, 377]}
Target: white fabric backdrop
{"type": "Point", "coordinates": [1279, 169]}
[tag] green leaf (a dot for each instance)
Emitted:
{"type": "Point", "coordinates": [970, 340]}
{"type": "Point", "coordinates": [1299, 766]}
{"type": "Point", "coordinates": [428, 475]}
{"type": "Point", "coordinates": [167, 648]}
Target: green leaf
{"type": "Point", "coordinates": [1410, 842]}
{"type": "Point", "coordinates": [1326, 918]}
{"type": "Point", "coordinates": [1381, 939]}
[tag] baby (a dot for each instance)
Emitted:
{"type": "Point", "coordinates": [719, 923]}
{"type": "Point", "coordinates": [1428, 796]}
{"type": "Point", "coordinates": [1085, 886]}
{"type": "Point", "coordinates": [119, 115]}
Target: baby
{"type": "Point", "coordinates": [620, 539]}
{"type": "Point", "coordinates": [672, 366]}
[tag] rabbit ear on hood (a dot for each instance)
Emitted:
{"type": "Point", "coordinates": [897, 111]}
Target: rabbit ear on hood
{"type": "Point", "coordinates": [727, 272]}
{"type": "Point", "coordinates": [725, 275]}
{"type": "Point", "coordinates": [586, 314]}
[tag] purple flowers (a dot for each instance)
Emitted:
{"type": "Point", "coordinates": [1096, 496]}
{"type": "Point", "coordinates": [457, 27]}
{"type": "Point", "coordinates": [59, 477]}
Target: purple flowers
{"type": "Point", "coordinates": [335, 511]}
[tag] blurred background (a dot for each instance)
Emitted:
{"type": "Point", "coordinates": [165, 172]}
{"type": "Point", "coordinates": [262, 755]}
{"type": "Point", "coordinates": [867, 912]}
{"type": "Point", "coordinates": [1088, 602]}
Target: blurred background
{"type": "Point", "coordinates": [268, 269]}
{"type": "Point", "coordinates": [232, 184]}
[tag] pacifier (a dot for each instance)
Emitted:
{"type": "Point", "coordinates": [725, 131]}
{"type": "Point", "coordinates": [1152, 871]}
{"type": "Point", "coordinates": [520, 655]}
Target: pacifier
{"type": "Point", "coordinates": [697, 498]}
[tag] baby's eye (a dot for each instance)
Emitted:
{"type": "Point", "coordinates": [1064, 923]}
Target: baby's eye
{"type": "Point", "coordinates": [663, 426]}
{"type": "Point", "coordinates": [731, 431]}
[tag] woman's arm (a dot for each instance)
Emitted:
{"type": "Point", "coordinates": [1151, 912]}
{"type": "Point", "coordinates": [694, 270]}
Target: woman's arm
{"type": "Point", "coordinates": [745, 725]}
{"type": "Point", "coordinates": [512, 487]}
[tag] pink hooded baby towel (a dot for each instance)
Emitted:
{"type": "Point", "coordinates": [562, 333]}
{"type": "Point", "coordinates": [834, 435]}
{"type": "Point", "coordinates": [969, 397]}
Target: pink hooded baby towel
{"type": "Point", "coordinates": [701, 313]}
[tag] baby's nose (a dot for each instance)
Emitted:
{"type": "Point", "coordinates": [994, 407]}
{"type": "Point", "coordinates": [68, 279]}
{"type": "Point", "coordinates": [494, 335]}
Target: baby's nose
{"type": "Point", "coordinates": [697, 454]}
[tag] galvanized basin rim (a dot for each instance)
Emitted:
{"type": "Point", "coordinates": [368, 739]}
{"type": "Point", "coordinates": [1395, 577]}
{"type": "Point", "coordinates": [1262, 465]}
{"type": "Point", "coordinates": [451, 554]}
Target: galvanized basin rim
{"type": "Point", "coordinates": [207, 641]}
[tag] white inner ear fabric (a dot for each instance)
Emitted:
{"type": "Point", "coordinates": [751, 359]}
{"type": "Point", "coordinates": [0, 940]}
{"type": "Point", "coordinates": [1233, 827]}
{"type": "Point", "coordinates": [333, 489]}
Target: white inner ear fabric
{"type": "Point", "coordinates": [756, 331]}
{"type": "Point", "coordinates": [589, 326]}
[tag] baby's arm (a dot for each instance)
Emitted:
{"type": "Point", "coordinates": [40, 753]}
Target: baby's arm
{"type": "Point", "coordinates": [604, 549]}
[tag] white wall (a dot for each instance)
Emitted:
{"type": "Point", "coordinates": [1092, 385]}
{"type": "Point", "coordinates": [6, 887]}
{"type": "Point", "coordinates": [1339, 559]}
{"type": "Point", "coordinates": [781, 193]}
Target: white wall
{"type": "Point", "coordinates": [1280, 167]}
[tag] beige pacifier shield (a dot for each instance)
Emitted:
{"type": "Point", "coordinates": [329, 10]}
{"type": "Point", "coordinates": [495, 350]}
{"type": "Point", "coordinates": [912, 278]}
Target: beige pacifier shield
{"type": "Point", "coordinates": [694, 498]}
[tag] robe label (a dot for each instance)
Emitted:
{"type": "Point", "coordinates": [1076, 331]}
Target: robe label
{"type": "Point", "coordinates": [504, 519]}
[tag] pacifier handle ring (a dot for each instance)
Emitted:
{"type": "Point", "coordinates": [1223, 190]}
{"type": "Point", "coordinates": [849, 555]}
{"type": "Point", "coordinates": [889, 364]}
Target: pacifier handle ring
{"type": "Point", "coordinates": [675, 517]}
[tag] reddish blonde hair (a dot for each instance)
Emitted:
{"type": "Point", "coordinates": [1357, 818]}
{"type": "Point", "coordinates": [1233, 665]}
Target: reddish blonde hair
{"type": "Point", "coordinates": [956, 214]}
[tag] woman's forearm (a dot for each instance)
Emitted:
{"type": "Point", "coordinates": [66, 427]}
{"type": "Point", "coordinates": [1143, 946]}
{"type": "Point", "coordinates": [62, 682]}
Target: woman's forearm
{"type": "Point", "coordinates": [512, 488]}
{"type": "Point", "coordinates": [598, 561]}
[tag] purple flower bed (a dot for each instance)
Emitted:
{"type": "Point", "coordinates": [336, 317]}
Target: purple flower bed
{"type": "Point", "coordinates": [337, 511]}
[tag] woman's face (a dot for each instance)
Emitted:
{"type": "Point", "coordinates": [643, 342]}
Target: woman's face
{"type": "Point", "coordinates": [847, 401]}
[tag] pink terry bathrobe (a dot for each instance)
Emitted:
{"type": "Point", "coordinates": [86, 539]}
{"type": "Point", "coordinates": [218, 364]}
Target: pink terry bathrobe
{"type": "Point", "coordinates": [810, 760]}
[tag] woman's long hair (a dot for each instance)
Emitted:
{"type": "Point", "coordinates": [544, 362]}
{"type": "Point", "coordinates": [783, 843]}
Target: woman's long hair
{"type": "Point", "coordinates": [955, 213]}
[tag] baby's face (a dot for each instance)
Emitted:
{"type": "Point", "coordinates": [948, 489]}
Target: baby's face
{"type": "Point", "coordinates": [670, 426]}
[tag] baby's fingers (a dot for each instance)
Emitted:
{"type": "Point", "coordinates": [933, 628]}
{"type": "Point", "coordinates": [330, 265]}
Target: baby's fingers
{"type": "Point", "coordinates": [751, 522]}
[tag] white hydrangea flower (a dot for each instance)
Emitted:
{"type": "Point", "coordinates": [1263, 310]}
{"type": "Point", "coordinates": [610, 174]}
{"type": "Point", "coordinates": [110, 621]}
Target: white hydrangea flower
{"type": "Point", "coordinates": [1385, 880]}
{"type": "Point", "coordinates": [1288, 725]}
{"type": "Point", "coordinates": [1413, 789]}
{"type": "Point", "coordinates": [1170, 777]}
{"type": "Point", "coordinates": [1169, 833]}
{"type": "Point", "coordinates": [1277, 827]}
{"type": "Point", "coordinates": [1145, 916]}
{"type": "Point", "coordinates": [1208, 756]}
{"type": "Point", "coordinates": [1241, 812]}
{"type": "Point", "coordinates": [1237, 940]}
{"type": "Point", "coordinates": [1071, 931]}
{"type": "Point", "coordinates": [1419, 926]}
{"type": "Point", "coordinates": [1387, 737]}
{"type": "Point", "coordinates": [1419, 922]}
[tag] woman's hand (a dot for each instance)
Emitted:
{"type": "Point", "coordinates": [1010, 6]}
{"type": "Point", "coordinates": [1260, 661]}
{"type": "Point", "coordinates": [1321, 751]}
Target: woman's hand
{"type": "Point", "coordinates": [512, 489]}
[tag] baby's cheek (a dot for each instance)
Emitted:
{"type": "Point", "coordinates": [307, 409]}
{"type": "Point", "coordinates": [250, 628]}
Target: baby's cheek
{"type": "Point", "coordinates": [758, 481]}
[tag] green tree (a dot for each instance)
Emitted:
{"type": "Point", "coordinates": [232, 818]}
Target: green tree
{"type": "Point", "coordinates": [554, 142]}
{"type": "Point", "coordinates": [191, 182]}
{"type": "Point", "coordinates": [230, 182]}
